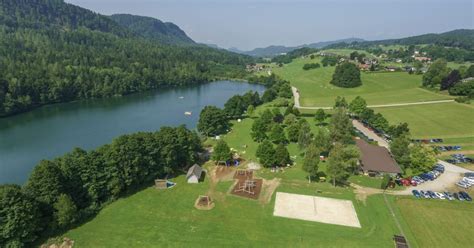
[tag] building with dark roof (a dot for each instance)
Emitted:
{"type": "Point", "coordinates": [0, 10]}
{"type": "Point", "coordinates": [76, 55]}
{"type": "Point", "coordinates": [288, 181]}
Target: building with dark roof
{"type": "Point", "coordinates": [376, 159]}
{"type": "Point", "coordinates": [194, 174]}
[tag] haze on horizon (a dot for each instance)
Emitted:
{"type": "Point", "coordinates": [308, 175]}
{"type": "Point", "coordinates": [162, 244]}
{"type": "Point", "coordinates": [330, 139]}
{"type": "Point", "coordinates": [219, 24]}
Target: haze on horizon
{"type": "Point", "coordinates": [247, 24]}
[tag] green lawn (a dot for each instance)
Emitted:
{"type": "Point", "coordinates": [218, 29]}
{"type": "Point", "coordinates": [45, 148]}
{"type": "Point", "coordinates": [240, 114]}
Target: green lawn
{"type": "Point", "coordinates": [446, 120]}
{"type": "Point", "coordinates": [377, 88]}
{"type": "Point", "coordinates": [437, 223]}
{"type": "Point", "coordinates": [167, 218]}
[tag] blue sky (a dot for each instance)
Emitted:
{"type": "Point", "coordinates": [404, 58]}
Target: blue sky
{"type": "Point", "coordinates": [247, 24]}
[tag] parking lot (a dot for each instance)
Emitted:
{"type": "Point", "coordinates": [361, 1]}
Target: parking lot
{"type": "Point", "coordinates": [445, 182]}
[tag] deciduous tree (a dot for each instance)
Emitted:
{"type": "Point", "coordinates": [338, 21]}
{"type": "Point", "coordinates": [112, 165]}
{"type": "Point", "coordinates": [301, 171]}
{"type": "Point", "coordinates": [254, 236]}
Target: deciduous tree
{"type": "Point", "coordinates": [221, 151]}
{"type": "Point", "coordinates": [212, 121]}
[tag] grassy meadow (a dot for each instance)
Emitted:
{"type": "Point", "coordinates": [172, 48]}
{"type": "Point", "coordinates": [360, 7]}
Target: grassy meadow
{"type": "Point", "coordinates": [167, 218]}
{"type": "Point", "coordinates": [377, 88]}
{"type": "Point", "coordinates": [437, 223]}
{"type": "Point", "coordinates": [444, 120]}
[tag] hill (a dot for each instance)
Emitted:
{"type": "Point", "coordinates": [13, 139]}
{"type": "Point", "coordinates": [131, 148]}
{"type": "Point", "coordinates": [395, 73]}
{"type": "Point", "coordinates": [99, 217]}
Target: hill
{"type": "Point", "coordinates": [460, 38]}
{"type": "Point", "coordinates": [47, 14]}
{"type": "Point", "coordinates": [272, 51]}
{"type": "Point", "coordinates": [151, 28]}
{"type": "Point", "coordinates": [56, 52]}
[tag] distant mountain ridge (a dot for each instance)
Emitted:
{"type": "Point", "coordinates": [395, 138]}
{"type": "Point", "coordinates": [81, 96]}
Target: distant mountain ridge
{"type": "Point", "coordinates": [151, 28]}
{"type": "Point", "coordinates": [460, 38]}
{"type": "Point", "coordinates": [272, 51]}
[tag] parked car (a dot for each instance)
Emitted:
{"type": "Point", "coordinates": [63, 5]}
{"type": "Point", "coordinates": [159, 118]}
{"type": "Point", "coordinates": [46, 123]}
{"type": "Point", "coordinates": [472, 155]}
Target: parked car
{"type": "Point", "coordinates": [465, 195]}
{"type": "Point", "coordinates": [462, 185]}
{"type": "Point", "coordinates": [427, 195]}
{"type": "Point", "coordinates": [439, 195]}
{"type": "Point", "coordinates": [416, 193]}
{"type": "Point", "coordinates": [456, 196]}
{"type": "Point", "coordinates": [469, 180]}
{"type": "Point", "coordinates": [448, 196]}
{"type": "Point", "coordinates": [406, 181]}
{"type": "Point", "coordinates": [469, 174]}
{"type": "Point", "coordinates": [431, 194]}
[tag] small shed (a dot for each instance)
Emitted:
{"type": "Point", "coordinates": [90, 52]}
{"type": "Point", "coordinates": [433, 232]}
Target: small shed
{"type": "Point", "coordinates": [400, 241]}
{"type": "Point", "coordinates": [194, 174]}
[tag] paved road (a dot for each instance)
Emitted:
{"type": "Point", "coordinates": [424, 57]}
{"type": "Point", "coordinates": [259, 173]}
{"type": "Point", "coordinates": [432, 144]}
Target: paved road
{"type": "Point", "coordinates": [296, 96]}
{"type": "Point", "coordinates": [359, 126]}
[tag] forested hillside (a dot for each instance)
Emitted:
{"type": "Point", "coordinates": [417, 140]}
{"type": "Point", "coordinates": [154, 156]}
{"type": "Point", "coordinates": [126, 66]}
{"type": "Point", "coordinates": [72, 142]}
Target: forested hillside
{"type": "Point", "coordinates": [151, 28]}
{"type": "Point", "coordinates": [54, 52]}
{"type": "Point", "coordinates": [70, 189]}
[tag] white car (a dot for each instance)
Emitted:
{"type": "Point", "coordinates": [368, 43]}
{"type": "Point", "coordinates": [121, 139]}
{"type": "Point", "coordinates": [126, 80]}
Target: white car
{"type": "Point", "coordinates": [469, 180]}
{"type": "Point", "coordinates": [462, 185]}
{"type": "Point", "coordinates": [440, 196]}
{"type": "Point", "coordinates": [469, 184]}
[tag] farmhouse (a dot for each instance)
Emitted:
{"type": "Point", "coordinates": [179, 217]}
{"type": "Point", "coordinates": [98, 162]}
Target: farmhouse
{"type": "Point", "coordinates": [194, 174]}
{"type": "Point", "coordinates": [422, 59]}
{"type": "Point", "coordinates": [376, 159]}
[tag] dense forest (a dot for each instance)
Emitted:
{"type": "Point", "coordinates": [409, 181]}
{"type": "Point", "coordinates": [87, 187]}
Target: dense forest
{"type": "Point", "coordinates": [54, 52]}
{"type": "Point", "coordinates": [151, 28]}
{"type": "Point", "coordinates": [72, 188]}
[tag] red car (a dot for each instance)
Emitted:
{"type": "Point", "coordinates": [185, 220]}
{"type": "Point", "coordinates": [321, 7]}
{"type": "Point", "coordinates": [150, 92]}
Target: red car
{"type": "Point", "coordinates": [406, 181]}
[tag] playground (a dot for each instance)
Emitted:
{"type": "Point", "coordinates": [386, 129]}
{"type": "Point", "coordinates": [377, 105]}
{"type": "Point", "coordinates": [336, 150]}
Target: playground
{"type": "Point", "coordinates": [315, 208]}
{"type": "Point", "coordinates": [246, 185]}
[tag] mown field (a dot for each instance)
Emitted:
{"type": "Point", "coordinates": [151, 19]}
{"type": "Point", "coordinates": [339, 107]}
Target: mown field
{"type": "Point", "coordinates": [445, 120]}
{"type": "Point", "coordinates": [377, 88]}
{"type": "Point", "coordinates": [167, 218]}
{"type": "Point", "coordinates": [438, 223]}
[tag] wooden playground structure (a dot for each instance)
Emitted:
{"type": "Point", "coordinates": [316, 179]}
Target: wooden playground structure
{"type": "Point", "coordinates": [246, 185]}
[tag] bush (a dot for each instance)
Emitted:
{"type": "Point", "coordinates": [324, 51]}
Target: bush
{"type": "Point", "coordinates": [385, 181]}
{"type": "Point", "coordinates": [311, 66]}
{"type": "Point", "coordinates": [463, 99]}
{"type": "Point", "coordinates": [347, 75]}
{"type": "Point", "coordinates": [463, 89]}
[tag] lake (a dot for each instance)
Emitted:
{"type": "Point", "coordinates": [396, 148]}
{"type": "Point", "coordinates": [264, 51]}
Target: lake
{"type": "Point", "coordinates": [53, 130]}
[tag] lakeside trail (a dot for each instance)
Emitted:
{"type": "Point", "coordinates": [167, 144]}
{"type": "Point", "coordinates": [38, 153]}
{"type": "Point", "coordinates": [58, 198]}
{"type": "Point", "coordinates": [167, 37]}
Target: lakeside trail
{"type": "Point", "coordinates": [296, 96]}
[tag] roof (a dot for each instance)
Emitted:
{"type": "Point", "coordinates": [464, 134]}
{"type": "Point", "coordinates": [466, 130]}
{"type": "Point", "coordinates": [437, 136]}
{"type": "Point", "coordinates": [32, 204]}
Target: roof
{"type": "Point", "coordinates": [376, 158]}
{"type": "Point", "coordinates": [400, 241]}
{"type": "Point", "coordinates": [195, 170]}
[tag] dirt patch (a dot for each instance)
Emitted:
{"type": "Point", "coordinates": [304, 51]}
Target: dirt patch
{"type": "Point", "coordinates": [253, 166]}
{"type": "Point", "coordinates": [363, 192]}
{"type": "Point", "coordinates": [204, 203]}
{"type": "Point", "coordinates": [66, 243]}
{"type": "Point", "coordinates": [223, 173]}
{"type": "Point", "coordinates": [269, 186]}
{"type": "Point", "coordinates": [243, 175]}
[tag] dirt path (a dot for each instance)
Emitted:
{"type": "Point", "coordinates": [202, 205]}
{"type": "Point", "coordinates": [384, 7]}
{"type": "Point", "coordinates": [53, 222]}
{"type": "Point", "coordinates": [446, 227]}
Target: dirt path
{"type": "Point", "coordinates": [296, 96]}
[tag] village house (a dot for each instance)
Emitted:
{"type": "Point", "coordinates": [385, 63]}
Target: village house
{"type": "Point", "coordinates": [255, 67]}
{"type": "Point", "coordinates": [422, 59]}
